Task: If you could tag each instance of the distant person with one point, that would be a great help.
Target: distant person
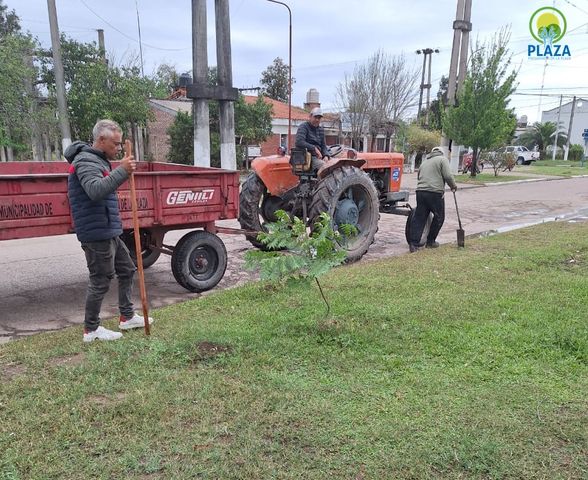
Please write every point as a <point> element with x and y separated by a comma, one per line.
<point>92,186</point>
<point>434,173</point>
<point>311,137</point>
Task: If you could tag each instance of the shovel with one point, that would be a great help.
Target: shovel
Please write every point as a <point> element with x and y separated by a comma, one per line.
<point>460,231</point>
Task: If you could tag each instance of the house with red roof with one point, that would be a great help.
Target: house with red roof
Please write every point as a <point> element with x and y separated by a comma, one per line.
<point>336,128</point>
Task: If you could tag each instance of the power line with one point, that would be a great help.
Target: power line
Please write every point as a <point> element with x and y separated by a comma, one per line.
<point>129,37</point>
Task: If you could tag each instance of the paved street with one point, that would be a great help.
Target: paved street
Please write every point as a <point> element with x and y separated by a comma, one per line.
<point>43,283</point>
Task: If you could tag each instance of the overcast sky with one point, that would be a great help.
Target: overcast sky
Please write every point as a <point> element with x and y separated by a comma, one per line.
<point>330,37</point>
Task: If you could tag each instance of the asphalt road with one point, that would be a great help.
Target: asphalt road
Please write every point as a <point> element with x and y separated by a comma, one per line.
<point>43,280</point>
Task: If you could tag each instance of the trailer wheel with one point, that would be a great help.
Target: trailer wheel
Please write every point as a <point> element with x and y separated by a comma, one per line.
<point>199,261</point>
<point>348,196</point>
<point>257,206</point>
<point>408,227</point>
<point>147,237</point>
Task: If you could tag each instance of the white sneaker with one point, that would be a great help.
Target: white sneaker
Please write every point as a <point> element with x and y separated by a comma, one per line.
<point>137,321</point>
<point>101,333</point>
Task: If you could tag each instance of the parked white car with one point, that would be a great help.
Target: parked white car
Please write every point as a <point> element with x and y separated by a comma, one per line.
<point>523,156</point>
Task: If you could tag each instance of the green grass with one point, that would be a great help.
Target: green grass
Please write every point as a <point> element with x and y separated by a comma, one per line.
<point>448,363</point>
<point>488,177</point>
<point>557,167</point>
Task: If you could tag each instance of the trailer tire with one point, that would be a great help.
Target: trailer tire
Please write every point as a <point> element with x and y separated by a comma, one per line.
<point>199,261</point>
<point>148,237</point>
<point>348,195</point>
<point>256,206</point>
<point>408,227</point>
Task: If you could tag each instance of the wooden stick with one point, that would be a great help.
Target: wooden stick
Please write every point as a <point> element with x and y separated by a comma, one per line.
<point>138,249</point>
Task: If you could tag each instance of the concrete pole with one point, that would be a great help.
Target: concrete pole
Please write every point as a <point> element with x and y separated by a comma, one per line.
<point>59,76</point>
<point>556,129</point>
<point>101,45</point>
<point>200,67</point>
<point>225,79</point>
<point>464,47</point>
<point>455,51</point>
<point>422,83</point>
<point>570,129</point>
<point>430,53</point>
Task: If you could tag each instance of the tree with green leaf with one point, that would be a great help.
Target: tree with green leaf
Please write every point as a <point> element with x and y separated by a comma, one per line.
<point>274,80</point>
<point>481,118</point>
<point>253,124</point>
<point>166,79</point>
<point>295,254</point>
<point>181,139</point>
<point>436,107</point>
<point>542,135</point>
<point>9,21</point>
<point>17,74</point>
<point>95,89</point>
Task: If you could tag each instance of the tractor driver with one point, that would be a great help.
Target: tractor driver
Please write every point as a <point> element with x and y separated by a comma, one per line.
<point>311,137</point>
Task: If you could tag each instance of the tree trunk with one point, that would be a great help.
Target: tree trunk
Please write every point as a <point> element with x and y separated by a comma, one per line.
<point>474,167</point>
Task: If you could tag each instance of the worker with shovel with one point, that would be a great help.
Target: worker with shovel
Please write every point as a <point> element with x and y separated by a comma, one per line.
<point>433,174</point>
<point>92,186</point>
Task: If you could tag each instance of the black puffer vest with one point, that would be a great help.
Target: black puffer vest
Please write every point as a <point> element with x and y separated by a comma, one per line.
<point>94,220</point>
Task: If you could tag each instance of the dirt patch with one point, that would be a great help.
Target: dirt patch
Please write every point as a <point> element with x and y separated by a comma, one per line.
<point>107,400</point>
<point>209,350</point>
<point>68,360</point>
<point>10,371</point>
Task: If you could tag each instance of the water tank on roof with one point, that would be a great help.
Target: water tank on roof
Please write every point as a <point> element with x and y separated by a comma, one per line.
<point>312,96</point>
<point>185,80</point>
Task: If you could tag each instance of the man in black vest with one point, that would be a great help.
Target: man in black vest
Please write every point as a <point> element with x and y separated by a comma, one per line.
<point>92,186</point>
<point>311,137</point>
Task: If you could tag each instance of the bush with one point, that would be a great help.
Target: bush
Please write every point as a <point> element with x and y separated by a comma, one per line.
<point>576,152</point>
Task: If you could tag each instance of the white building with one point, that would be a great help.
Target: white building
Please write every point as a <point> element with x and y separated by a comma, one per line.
<point>579,123</point>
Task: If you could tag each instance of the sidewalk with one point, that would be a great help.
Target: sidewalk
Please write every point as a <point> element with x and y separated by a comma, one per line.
<point>409,180</point>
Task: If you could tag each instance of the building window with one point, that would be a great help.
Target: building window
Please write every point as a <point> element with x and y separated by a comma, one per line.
<point>283,139</point>
<point>380,144</point>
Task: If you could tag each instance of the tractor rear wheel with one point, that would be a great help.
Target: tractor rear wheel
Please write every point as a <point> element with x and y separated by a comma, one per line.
<point>256,207</point>
<point>349,197</point>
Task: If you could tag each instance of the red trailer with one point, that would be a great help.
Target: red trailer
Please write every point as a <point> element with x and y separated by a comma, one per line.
<point>34,203</point>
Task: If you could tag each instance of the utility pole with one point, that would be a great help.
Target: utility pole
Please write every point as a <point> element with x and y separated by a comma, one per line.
<point>427,55</point>
<point>101,45</point>
<point>225,79</point>
<point>200,68</point>
<point>556,129</point>
<point>59,76</point>
<point>570,129</point>
<point>140,40</point>
<point>462,25</point>
<point>201,92</point>
<point>422,83</point>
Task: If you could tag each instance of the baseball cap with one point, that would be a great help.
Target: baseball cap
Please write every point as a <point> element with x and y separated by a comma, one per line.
<point>316,112</point>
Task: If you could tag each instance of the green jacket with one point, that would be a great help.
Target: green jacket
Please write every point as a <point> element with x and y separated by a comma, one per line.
<point>434,173</point>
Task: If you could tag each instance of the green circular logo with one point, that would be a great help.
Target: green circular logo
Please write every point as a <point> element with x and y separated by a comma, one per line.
<point>548,25</point>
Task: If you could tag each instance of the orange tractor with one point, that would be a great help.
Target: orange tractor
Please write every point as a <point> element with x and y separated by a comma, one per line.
<point>353,188</point>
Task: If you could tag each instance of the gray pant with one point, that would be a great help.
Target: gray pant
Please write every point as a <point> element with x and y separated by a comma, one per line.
<point>316,163</point>
<point>105,259</point>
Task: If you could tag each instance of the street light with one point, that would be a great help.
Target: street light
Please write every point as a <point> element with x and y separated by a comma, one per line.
<point>289,72</point>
